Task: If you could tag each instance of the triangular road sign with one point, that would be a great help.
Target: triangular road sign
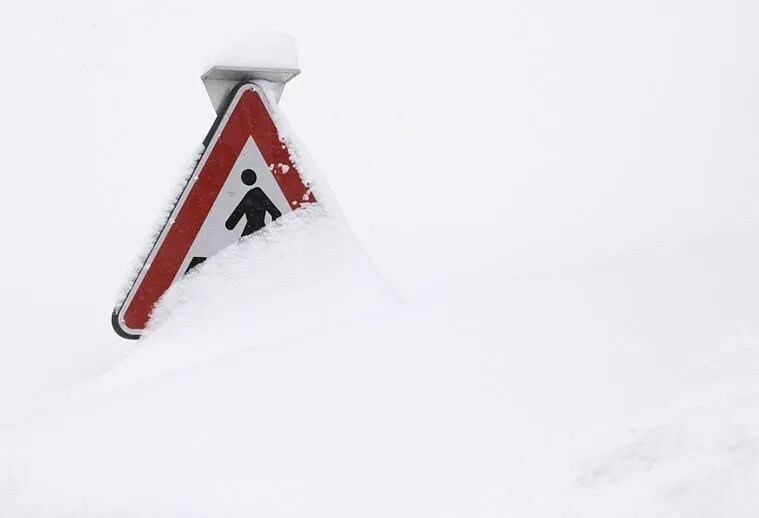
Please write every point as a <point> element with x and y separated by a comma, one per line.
<point>244,180</point>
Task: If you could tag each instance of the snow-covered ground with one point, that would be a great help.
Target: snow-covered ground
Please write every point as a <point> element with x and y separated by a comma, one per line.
<point>559,199</point>
<point>622,387</point>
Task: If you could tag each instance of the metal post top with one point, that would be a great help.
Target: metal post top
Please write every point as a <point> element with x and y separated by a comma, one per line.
<point>220,80</point>
<point>229,73</point>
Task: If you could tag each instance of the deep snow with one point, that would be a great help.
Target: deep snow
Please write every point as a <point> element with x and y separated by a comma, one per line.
<point>623,387</point>
<point>562,195</point>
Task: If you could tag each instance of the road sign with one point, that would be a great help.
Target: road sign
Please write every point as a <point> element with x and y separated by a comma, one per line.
<point>244,180</point>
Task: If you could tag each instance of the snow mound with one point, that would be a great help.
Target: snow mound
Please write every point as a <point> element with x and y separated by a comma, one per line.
<point>300,275</point>
<point>473,405</point>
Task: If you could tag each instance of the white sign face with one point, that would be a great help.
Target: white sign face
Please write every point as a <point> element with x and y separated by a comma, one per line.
<point>214,234</point>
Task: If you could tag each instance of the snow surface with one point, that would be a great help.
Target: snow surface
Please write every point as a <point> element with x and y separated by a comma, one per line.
<point>563,195</point>
<point>556,395</point>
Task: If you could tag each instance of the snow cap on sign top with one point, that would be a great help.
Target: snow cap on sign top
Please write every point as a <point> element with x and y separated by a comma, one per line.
<point>257,49</point>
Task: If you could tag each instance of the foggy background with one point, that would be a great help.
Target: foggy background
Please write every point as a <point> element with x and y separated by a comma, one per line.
<point>466,142</point>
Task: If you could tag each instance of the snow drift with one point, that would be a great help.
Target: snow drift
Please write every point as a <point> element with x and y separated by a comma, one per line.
<point>495,400</point>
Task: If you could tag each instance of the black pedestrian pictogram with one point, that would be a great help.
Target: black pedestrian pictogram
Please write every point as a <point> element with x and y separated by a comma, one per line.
<point>254,206</point>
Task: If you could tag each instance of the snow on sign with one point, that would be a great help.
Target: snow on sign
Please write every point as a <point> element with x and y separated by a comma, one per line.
<point>244,180</point>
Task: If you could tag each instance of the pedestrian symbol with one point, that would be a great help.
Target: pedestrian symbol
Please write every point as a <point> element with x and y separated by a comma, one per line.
<point>254,206</point>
